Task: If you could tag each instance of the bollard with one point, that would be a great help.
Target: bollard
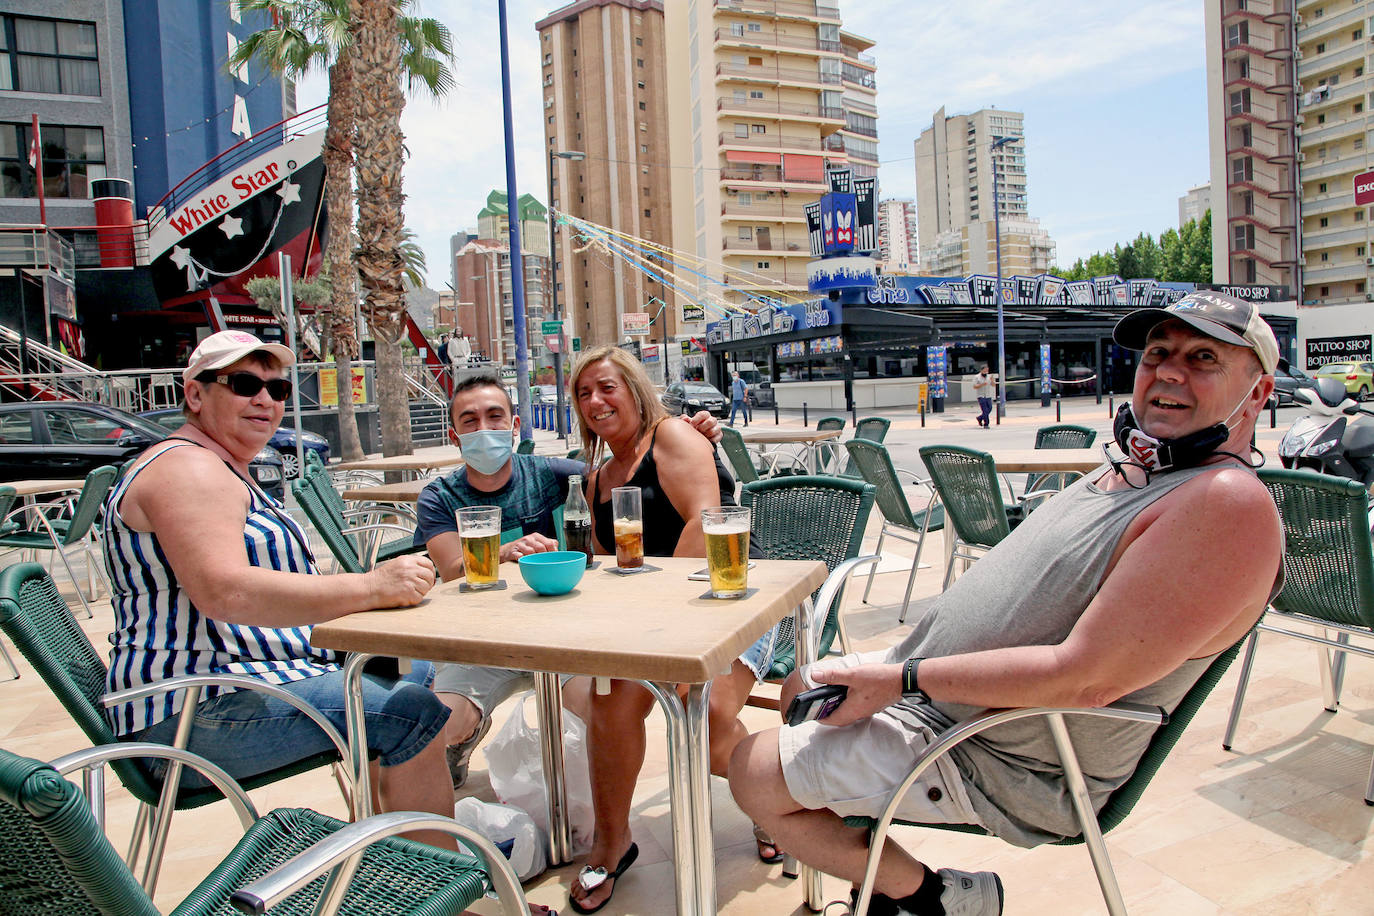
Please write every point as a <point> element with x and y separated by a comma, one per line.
<point>922,407</point>
<point>854,415</point>
<point>1058,408</point>
<point>1111,411</point>
<point>1273,414</point>
<point>805,421</point>
<point>775,411</point>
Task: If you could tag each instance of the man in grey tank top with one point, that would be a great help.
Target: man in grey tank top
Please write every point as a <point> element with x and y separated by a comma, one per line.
<point>1125,586</point>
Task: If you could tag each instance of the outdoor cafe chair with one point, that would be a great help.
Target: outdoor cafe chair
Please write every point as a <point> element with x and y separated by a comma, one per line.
<point>55,858</point>
<point>1169,728</point>
<point>526,447</point>
<point>1059,435</point>
<point>809,518</point>
<point>742,460</point>
<point>828,452</point>
<point>34,616</point>
<point>312,494</point>
<point>899,521</point>
<point>64,536</point>
<point>872,429</point>
<point>966,481</point>
<point>1328,587</point>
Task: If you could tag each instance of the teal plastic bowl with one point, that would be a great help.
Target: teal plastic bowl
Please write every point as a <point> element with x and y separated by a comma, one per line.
<point>553,573</point>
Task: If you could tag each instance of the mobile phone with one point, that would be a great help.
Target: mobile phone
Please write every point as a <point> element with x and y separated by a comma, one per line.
<point>815,704</point>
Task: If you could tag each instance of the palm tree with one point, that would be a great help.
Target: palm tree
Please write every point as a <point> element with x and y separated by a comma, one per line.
<point>307,34</point>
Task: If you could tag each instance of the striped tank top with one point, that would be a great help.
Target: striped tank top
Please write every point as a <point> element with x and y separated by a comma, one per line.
<point>160,634</point>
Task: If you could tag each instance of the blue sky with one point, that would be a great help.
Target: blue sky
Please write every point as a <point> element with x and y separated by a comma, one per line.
<point>1113,95</point>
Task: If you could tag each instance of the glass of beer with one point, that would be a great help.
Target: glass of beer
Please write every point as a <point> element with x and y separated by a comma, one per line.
<point>480,529</point>
<point>627,510</point>
<point>727,549</point>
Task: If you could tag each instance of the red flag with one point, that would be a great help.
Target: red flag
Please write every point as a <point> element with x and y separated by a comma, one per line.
<point>35,149</point>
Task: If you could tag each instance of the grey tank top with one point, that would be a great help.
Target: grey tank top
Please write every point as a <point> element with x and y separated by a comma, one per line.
<point>1031,591</point>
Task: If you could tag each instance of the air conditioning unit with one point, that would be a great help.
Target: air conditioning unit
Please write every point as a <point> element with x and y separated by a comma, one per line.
<point>1297,54</point>
<point>1297,19</point>
<point>1302,260</point>
<point>1369,262</point>
<point>1302,157</point>
<point>1369,297</point>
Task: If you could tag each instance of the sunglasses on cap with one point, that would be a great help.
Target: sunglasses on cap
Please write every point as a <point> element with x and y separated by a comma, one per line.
<point>247,385</point>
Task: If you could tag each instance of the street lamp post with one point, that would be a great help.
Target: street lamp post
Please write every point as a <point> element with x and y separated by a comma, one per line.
<point>998,143</point>
<point>560,422</point>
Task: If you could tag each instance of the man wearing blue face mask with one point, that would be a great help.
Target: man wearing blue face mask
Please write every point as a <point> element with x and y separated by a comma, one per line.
<point>527,488</point>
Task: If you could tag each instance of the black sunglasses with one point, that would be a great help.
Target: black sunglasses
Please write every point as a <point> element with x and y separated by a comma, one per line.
<point>247,385</point>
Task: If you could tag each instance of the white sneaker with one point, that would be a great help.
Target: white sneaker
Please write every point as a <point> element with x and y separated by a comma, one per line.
<point>971,893</point>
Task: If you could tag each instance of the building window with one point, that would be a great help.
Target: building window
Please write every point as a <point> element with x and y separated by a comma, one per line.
<point>761,265</point>
<point>1359,286</point>
<point>648,214</point>
<point>1321,47</point>
<point>72,157</point>
<point>1243,236</point>
<point>1321,119</point>
<point>48,55</point>
<point>643,147</point>
<point>755,27</point>
<point>741,130</point>
<point>1242,169</point>
<point>548,59</point>
<point>1240,102</point>
<point>1326,256</point>
<point>1325,291</point>
<point>1357,35</point>
<point>746,232</point>
<point>1359,70</point>
<point>1323,222</point>
<point>759,128</point>
<point>1321,188</point>
<point>640,84</point>
<point>1357,143</point>
<point>737,29</point>
<point>1359,250</point>
<point>1250,276</point>
<point>1357,107</point>
<point>755,93</point>
<point>1237,34</point>
<point>1319,12</point>
<point>639,42</point>
<point>639,62</point>
<point>643,107</point>
<point>1359,216</point>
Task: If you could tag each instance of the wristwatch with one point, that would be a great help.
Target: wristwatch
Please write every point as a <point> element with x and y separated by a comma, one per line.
<point>911,690</point>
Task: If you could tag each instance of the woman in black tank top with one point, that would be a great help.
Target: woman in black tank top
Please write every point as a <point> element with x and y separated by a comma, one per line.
<point>678,474</point>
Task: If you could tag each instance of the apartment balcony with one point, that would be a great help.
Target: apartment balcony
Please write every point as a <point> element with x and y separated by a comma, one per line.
<point>775,76</point>
<point>783,248</point>
<point>1329,24</point>
<point>769,178</point>
<point>771,212</point>
<point>1314,169</point>
<point>1312,137</point>
<point>1326,204</point>
<point>1243,49</point>
<point>1267,224</point>
<point>1335,237</point>
<point>790,279</point>
<point>794,111</point>
<point>727,38</point>
<point>809,144</point>
<point>1333,271</point>
<point>782,9</point>
<point>1313,63</point>
<point>1268,152</point>
<point>1323,100</point>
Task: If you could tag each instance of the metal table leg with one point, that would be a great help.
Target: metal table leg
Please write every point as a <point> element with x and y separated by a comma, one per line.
<point>548,693</point>
<point>689,796</point>
<point>357,733</point>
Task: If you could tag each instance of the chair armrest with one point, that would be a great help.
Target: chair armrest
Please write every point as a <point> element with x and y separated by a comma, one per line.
<point>239,681</point>
<point>342,850</point>
<point>380,508</point>
<point>829,593</point>
<point>93,757</point>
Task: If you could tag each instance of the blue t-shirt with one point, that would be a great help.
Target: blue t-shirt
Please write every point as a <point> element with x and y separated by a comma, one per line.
<point>538,485</point>
<point>737,390</point>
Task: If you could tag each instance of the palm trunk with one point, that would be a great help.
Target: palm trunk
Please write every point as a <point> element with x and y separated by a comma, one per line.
<point>338,157</point>
<point>380,153</point>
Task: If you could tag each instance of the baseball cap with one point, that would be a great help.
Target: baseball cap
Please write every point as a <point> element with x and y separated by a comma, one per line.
<point>1223,317</point>
<point>228,347</point>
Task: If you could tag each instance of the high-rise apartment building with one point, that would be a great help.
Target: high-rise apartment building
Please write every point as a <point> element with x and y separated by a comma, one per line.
<point>956,165</point>
<point>764,94</point>
<point>898,246</point>
<point>1253,113</point>
<point>605,98</point>
<point>1195,204</point>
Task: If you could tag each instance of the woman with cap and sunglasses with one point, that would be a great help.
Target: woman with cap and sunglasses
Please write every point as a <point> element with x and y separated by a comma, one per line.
<point>210,575</point>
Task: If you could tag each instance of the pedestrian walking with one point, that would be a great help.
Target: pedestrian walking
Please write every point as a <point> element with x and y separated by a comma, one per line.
<point>982,389</point>
<point>739,395</point>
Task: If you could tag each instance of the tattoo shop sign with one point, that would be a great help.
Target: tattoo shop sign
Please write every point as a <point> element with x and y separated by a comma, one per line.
<point>1324,350</point>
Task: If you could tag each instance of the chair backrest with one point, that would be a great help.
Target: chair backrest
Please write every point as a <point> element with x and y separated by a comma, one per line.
<point>874,429</point>
<point>7,498</point>
<point>737,453</point>
<point>53,856</point>
<point>1064,435</point>
<point>313,461</point>
<point>328,523</point>
<point>830,423</point>
<point>826,452</point>
<point>966,480</point>
<point>1328,562</point>
<point>526,447</point>
<point>88,504</point>
<point>874,464</point>
<point>808,518</point>
<point>319,480</point>
<point>37,620</point>
<point>575,454</point>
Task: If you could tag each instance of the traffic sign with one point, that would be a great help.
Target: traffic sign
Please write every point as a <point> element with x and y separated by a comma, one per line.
<point>551,328</point>
<point>577,344</point>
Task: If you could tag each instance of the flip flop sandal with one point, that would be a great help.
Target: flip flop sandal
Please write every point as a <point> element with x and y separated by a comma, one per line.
<point>592,878</point>
<point>762,839</point>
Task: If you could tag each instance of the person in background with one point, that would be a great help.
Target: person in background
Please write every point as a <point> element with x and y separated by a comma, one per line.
<point>739,394</point>
<point>982,389</point>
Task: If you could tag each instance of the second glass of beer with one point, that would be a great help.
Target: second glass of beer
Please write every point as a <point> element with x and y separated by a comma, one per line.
<point>727,549</point>
<point>628,512</point>
<point>480,529</point>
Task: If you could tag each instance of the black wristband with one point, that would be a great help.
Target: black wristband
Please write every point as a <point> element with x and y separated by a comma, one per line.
<point>911,688</point>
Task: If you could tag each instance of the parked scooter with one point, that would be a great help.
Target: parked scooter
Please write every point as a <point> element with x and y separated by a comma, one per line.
<point>1335,437</point>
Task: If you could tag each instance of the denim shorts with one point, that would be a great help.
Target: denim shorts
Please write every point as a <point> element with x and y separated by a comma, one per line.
<point>247,732</point>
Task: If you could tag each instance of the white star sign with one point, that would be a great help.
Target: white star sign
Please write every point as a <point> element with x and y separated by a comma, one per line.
<point>232,227</point>
<point>289,193</point>
<point>182,258</point>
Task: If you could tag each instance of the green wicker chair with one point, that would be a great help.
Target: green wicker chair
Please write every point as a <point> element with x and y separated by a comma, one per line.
<point>1328,570</point>
<point>34,616</point>
<point>873,429</point>
<point>54,857</point>
<point>526,447</point>
<point>737,453</point>
<point>62,535</point>
<point>875,464</point>
<point>323,506</point>
<point>1061,435</point>
<point>575,454</point>
<point>966,481</point>
<point>828,453</point>
<point>809,518</point>
<point>1118,805</point>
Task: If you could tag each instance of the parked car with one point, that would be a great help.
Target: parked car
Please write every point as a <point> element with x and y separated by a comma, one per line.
<point>1288,379</point>
<point>1357,377</point>
<point>689,397</point>
<point>283,440</point>
<point>56,439</point>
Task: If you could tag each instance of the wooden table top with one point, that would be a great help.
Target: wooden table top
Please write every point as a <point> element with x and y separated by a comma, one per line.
<point>425,459</point>
<point>782,434</point>
<point>34,487</point>
<point>656,626</point>
<point>1046,460</point>
<point>407,491</point>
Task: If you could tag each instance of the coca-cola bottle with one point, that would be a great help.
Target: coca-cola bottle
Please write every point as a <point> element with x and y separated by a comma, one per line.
<point>577,519</point>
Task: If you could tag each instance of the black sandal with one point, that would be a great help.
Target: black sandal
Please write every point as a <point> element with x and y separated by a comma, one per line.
<point>592,878</point>
<point>762,839</point>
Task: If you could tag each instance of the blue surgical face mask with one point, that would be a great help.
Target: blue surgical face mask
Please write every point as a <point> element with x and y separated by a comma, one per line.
<point>487,450</point>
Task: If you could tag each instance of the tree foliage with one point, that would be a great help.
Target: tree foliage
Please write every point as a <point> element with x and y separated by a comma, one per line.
<point>1182,256</point>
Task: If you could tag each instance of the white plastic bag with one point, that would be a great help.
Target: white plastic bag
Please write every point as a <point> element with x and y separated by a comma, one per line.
<point>502,824</point>
<point>516,769</point>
